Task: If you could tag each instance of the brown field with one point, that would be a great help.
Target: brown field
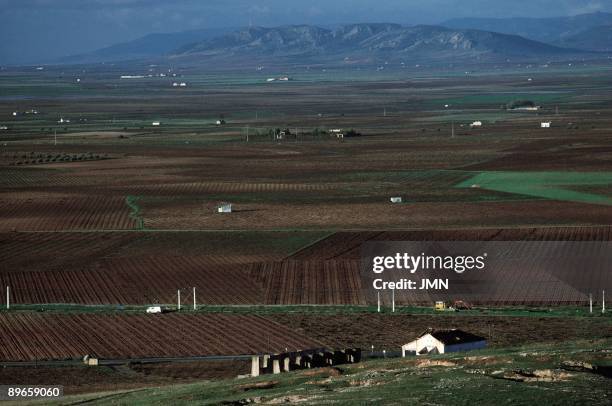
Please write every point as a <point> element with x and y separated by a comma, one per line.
<point>390,332</point>
<point>70,337</point>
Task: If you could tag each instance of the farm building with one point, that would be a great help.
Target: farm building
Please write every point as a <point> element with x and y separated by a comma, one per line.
<point>443,341</point>
<point>545,124</point>
<point>155,123</point>
<point>476,124</point>
<point>337,132</point>
<point>396,200</point>
<point>224,208</point>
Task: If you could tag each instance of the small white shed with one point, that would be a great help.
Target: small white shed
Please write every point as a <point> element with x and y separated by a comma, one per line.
<point>476,124</point>
<point>443,341</point>
<point>545,124</point>
<point>224,208</point>
<point>396,200</point>
<point>156,123</point>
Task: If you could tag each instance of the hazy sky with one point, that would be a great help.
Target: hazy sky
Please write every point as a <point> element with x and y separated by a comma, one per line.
<point>42,29</point>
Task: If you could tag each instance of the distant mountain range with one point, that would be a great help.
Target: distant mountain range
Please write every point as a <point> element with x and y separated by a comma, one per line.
<point>550,30</point>
<point>476,39</point>
<point>595,39</point>
<point>369,41</point>
<point>149,46</point>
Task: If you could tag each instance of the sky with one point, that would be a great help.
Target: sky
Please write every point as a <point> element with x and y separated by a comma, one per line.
<point>39,30</point>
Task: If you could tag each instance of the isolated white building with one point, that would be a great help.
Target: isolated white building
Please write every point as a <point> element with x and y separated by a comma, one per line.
<point>443,341</point>
<point>476,124</point>
<point>396,200</point>
<point>156,123</point>
<point>224,208</point>
<point>545,124</point>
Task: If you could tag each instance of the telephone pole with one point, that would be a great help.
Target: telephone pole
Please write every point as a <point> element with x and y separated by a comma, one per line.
<point>178,294</point>
<point>194,300</point>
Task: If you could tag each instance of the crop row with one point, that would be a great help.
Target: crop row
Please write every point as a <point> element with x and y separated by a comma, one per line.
<point>53,214</point>
<point>138,280</point>
<point>310,282</point>
<point>36,337</point>
<point>189,188</point>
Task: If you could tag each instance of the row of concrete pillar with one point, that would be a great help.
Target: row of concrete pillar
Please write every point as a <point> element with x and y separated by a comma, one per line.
<point>314,358</point>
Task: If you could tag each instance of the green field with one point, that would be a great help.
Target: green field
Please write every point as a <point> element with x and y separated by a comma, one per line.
<point>548,185</point>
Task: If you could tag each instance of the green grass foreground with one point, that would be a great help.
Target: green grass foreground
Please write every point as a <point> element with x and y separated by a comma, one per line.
<point>557,374</point>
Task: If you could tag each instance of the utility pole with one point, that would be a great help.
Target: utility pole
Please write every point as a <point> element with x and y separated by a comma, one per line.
<point>194,300</point>
<point>452,129</point>
<point>55,137</point>
<point>378,293</point>
<point>393,301</point>
<point>247,133</point>
<point>178,294</point>
<point>591,303</point>
<point>8,298</point>
<point>603,301</point>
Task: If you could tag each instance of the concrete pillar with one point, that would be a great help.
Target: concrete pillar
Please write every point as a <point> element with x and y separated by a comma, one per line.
<point>254,366</point>
<point>298,360</point>
<point>286,362</point>
<point>276,366</point>
<point>265,360</point>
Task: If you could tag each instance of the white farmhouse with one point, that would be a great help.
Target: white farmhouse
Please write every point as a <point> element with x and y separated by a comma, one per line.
<point>545,124</point>
<point>443,341</point>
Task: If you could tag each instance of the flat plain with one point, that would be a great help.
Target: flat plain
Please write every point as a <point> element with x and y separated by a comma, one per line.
<point>106,214</point>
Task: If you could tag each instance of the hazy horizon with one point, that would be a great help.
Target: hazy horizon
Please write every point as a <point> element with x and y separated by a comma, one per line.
<point>42,30</point>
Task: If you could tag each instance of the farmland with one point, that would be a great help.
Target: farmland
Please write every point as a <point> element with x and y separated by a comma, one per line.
<point>106,215</point>
<point>58,337</point>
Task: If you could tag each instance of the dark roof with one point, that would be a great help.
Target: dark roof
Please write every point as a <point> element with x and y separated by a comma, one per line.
<point>451,337</point>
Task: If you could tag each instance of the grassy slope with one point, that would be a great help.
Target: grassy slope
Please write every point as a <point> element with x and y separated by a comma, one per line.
<point>479,377</point>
